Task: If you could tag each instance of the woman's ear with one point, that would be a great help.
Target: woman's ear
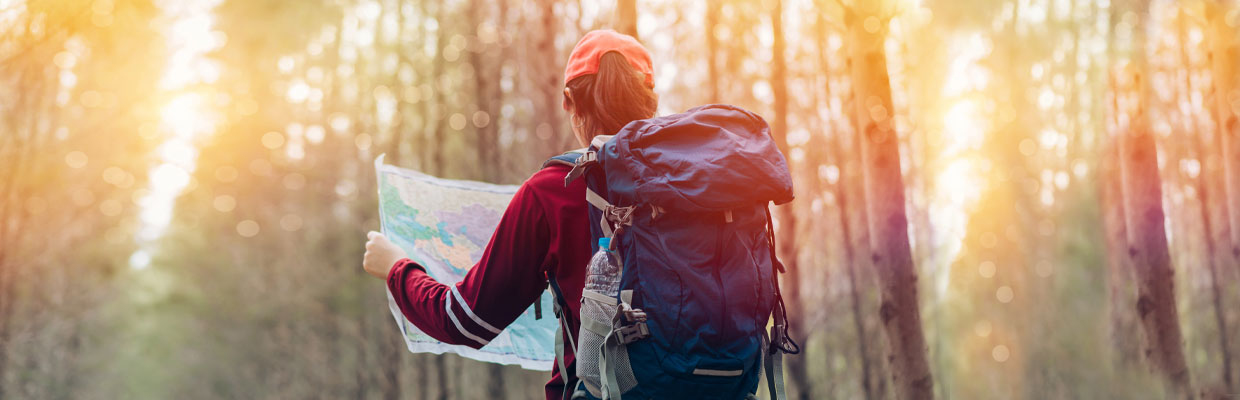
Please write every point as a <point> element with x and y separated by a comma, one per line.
<point>568,100</point>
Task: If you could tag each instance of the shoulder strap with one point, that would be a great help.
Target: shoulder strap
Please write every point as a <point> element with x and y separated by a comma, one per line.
<point>568,158</point>
<point>568,371</point>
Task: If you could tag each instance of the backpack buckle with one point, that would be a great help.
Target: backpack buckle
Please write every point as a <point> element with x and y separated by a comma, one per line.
<point>777,337</point>
<point>621,216</point>
<point>632,333</point>
<point>635,331</point>
<point>632,314</point>
<point>579,167</point>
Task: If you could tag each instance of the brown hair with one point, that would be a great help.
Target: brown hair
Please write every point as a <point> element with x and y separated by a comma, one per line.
<point>611,98</point>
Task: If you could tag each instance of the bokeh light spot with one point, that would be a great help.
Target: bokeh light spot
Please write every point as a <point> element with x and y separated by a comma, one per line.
<point>247,228</point>
<point>457,121</point>
<point>986,269</point>
<point>362,142</point>
<point>982,328</point>
<point>224,203</point>
<point>481,119</point>
<point>76,159</point>
<point>1028,147</point>
<point>1000,353</point>
<point>1004,294</point>
<point>64,60</point>
<point>872,24</point>
<point>273,140</point>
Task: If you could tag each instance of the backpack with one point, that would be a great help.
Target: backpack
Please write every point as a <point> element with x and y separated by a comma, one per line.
<point>684,199</point>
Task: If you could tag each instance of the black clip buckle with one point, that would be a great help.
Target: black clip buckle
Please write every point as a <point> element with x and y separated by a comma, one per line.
<point>777,338</point>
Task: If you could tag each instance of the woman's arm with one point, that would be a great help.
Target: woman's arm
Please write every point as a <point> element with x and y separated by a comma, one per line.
<point>509,277</point>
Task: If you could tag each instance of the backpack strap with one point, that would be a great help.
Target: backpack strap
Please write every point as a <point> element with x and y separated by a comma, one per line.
<point>561,313</point>
<point>568,158</point>
<point>777,342</point>
<point>588,156</point>
<point>773,366</point>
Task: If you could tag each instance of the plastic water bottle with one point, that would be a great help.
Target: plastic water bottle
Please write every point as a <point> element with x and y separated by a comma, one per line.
<point>603,272</point>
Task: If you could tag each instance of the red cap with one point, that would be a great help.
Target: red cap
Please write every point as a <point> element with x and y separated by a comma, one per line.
<point>585,57</point>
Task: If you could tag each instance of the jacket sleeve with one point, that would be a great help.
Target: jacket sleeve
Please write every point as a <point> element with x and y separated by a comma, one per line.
<point>509,277</point>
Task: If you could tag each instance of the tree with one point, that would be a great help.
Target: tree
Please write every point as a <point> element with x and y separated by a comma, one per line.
<point>786,213</point>
<point>884,193</point>
<point>547,80</point>
<point>1205,195</point>
<point>625,18</point>
<point>844,191</point>
<point>70,107</point>
<point>1123,325</point>
<point>1225,56</point>
<point>1148,251</point>
<point>712,50</point>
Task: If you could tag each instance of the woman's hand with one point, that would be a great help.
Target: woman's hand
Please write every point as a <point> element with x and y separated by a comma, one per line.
<point>381,255</point>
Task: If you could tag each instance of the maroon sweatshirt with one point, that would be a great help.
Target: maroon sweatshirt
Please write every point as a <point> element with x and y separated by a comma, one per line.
<point>544,233</point>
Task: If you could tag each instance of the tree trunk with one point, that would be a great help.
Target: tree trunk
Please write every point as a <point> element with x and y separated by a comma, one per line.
<point>884,193</point>
<point>439,105</point>
<point>863,339</point>
<point>19,150</point>
<point>842,191</point>
<point>487,93</point>
<point>1144,217</point>
<point>1148,251</point>
<point>1123,327</point>
<point>1204,194</point>
<point>1150,256</point>
<point>852,174</point>
<point>712,51</point>
<point>1225,55</point>
<point>395,140</point>
<point>441,366</point>
<point>786,213</point>
<point>391,346</point>
<point>548,81</point>
<point>625,18</point>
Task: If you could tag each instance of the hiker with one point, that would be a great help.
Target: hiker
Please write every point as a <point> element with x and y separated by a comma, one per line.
<point>656,241</point>
<point>545,232</point>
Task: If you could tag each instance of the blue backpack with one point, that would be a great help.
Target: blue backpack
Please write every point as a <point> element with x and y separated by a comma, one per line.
<point>684,199</point>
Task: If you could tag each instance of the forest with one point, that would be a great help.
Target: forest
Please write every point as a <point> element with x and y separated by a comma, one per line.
<point>995,199</point>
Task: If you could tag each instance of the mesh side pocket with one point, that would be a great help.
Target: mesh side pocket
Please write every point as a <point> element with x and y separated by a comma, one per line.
<point>590,343</point>
<point>624,371</point>
<point>590,346</point>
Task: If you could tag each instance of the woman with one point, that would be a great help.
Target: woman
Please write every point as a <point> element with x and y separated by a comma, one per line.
<point>545,233</point>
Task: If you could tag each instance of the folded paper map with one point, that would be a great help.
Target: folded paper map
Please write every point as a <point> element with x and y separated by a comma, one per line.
<point>445,225</point>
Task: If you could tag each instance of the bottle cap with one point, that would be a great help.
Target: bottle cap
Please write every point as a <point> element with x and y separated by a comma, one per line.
<point>604,243</point>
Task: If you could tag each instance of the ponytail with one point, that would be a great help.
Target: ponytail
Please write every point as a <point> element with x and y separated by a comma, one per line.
<point>611,98</point>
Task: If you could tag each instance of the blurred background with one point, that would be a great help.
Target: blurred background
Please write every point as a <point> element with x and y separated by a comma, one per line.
<point>185,185</point>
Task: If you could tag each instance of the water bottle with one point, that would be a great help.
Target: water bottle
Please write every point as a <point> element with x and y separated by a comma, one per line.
<point>603,272</point>
<point>602,279</point>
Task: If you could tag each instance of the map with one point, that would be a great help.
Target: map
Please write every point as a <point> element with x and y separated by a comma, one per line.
<point>445,225</point>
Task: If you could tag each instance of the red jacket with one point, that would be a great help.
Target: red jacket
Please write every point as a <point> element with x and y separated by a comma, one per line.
<point>545,232</point>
